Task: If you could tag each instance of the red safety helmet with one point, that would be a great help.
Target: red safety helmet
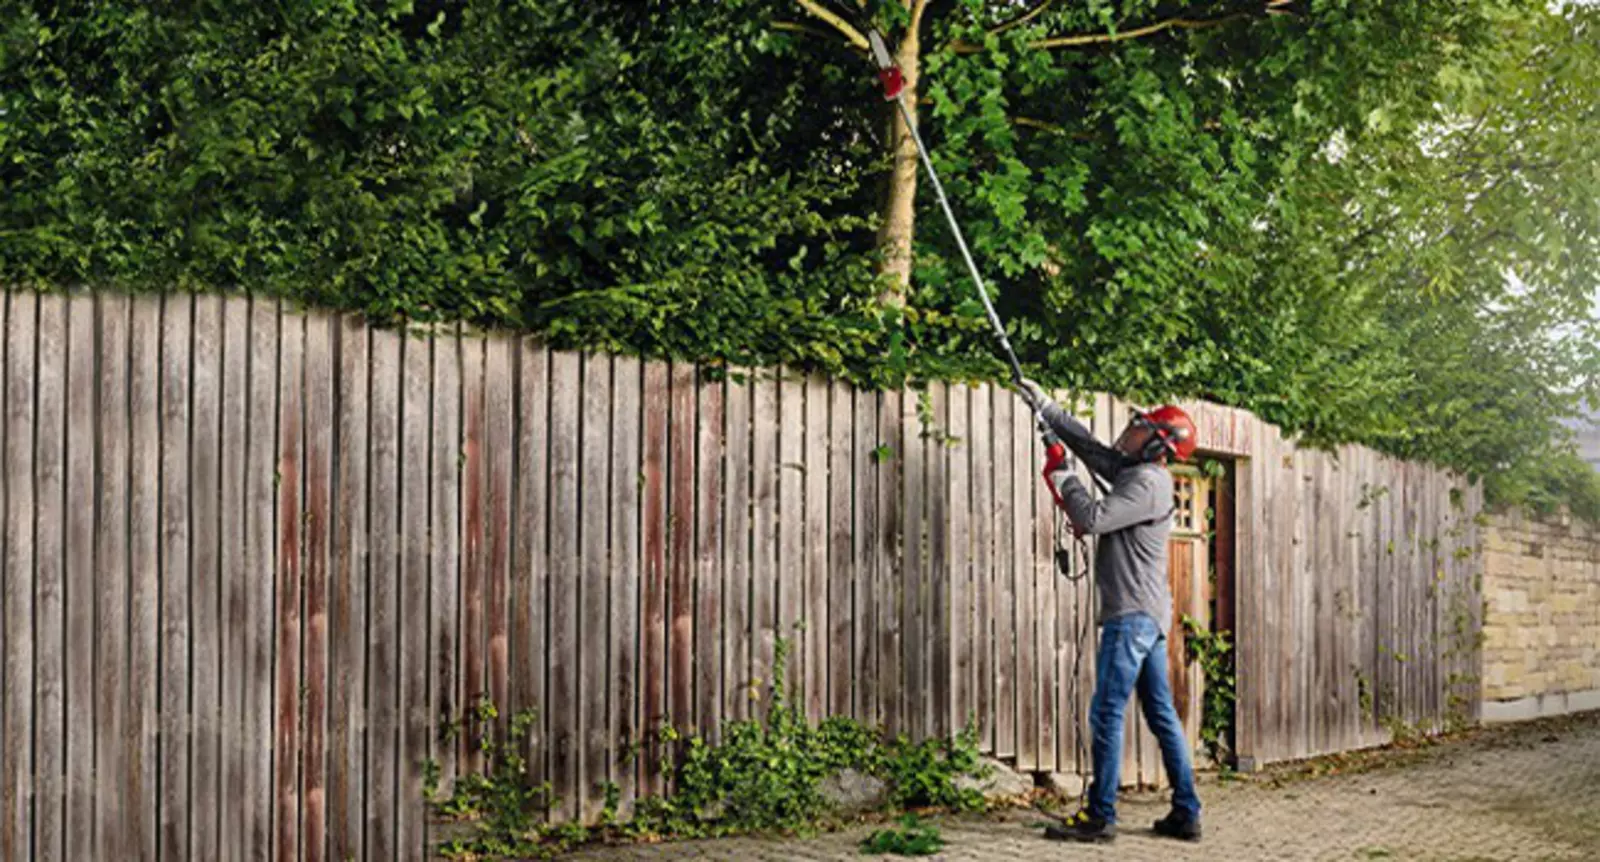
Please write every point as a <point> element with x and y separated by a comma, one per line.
<point>1174,432</point>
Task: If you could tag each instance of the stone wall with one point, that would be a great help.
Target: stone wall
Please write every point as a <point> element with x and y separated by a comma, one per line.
<point>1541,652</point>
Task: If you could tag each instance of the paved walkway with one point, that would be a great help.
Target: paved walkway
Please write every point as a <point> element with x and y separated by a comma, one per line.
<point>1525,792</point>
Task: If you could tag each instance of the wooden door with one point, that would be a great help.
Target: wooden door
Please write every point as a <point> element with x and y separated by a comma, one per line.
<point>1187,558</point>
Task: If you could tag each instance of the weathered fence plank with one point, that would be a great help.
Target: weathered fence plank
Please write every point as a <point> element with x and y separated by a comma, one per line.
<point>385,821</point>
<point>815,591</point>
<point>890,577</point>
<point>236,578</point>
<point>593,595</point>
<point>176,320</point>
<point>709,631</point>
<point>737,503</point>
<point>499,462</point>
<point>843,582</point>
<point>78,584</point>
<point>529,576</point>
<point>474,551</point>
<point>1003,605</point>
<point>112,817</point>
<point>913,538</point>
<point>319,391</point>
<point>144,534</point>
<point>286,712</point>
<point>681,552</point>
<point>764,468</point>
<point>864,464</point>
<point>938,582</point>
<point>653,591</point>
<point>261,562</point>
<point>347,601</point>
<point>790,573</point>
<point>205,586</point>
<point>16,756</point>
<point>565,730</point>
<point>981,429</point>
<point>626,467</point>
<point>416,359</point>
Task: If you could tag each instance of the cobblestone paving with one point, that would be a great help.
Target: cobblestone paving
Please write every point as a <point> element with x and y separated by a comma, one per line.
<point>1525,792</point>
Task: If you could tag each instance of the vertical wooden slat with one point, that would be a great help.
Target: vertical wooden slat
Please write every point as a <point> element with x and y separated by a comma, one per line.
<point>710,632</point>
<point>499,461</point>
<point>815,520</point>
<point>16,741</point>
<point>413,588</point>
<point>113,723</point>
<point>1003,606</point>
<point>843,582</point>
<point>957,622</point>
<point>529,652</point>
<point>205,586</point>
<point>737,502</point>
<point>175,538</point>
<point>474,551</point>
<point>261,422</point>
<point>49,621</point>
<point>286,616</point>
<point>913,476</point>
<point>144,534</point>
<point>653,597</point>
<point>764,468</point>
<point>863,463</point>
<point>1023,576</point>
<point>626,413</point>
<point>78,593</point>
<point>891,581</point>
<point>681,556</point>
<point>347,601</point>
<point>1045,582</point>
<point>384,826</point>
<point>981,446</point>
<point>593,587</point>
<point>937,595</point>
<point>17,629</point>
<point>318,506</point>
<point>562,701</point>
<point>791,527</point>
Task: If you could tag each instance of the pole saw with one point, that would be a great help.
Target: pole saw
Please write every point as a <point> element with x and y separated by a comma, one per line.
<point>893,81</point>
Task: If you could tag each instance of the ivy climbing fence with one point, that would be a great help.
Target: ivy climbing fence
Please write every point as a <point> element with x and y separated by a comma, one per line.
<point>264,571</point>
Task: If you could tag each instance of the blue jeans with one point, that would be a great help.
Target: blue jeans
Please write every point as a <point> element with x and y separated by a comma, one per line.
<point>1133,655</point>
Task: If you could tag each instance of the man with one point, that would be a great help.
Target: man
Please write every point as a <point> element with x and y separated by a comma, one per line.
<point>1135,613</point>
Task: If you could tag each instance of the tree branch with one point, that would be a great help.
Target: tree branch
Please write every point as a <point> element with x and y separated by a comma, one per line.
<point>1018,22</point>
<point>1136,33</point>
<point>836,22</point>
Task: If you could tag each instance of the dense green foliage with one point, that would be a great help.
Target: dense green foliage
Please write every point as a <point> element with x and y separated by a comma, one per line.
<point>1311,214</point>
<point>760,776</point>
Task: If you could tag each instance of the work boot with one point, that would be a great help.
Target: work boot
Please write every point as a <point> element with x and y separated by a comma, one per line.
<point>1179,825</point>
<point>1082,827</point>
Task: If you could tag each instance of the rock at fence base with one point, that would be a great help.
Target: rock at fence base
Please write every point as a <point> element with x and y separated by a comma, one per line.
<point>853,792</point>
<point>996,781</point>
<point>1064,784</point>
<point>712,812</point>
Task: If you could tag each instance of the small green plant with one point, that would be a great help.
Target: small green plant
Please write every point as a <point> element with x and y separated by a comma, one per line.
<point>912,838</point>
<point>1214,653</point>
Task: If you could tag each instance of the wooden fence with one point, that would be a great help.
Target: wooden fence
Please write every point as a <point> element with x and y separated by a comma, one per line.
<point>259,564</point>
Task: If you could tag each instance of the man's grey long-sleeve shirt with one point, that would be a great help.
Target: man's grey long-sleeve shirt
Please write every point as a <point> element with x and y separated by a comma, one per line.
<point>1132,522</point>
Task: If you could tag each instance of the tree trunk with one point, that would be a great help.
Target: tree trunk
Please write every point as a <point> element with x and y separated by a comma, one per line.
<point>899,205</point>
